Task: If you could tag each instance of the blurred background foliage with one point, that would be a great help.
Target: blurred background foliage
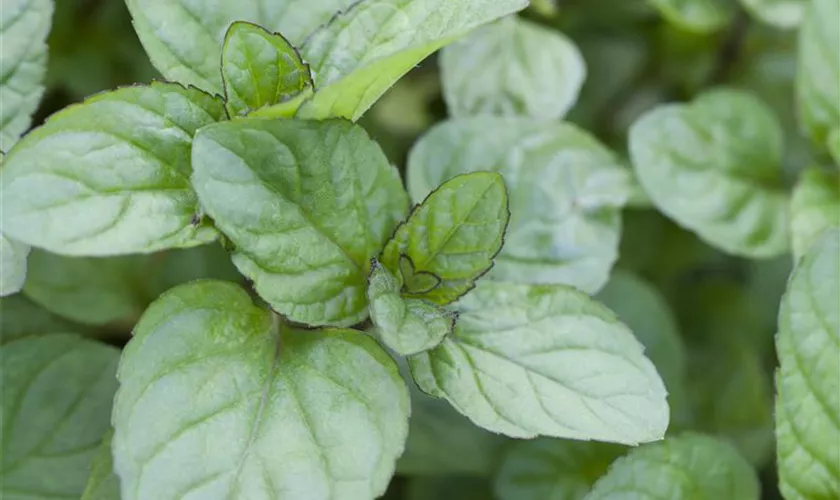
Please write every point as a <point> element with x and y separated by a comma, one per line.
<point>723,308</point>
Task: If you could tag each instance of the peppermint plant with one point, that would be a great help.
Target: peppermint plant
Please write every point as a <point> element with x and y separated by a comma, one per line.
<point>306,261</point>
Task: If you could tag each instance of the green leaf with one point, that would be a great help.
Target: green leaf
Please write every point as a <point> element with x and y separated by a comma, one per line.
<point>93,291</point>
<point>818,71</point>
<point>110,176</point>
<point>512,67</point>
<point>306,204</point>
<point>299,414</point>
<point>780,13</point>
<point>545,360</point>
<point>701,16</point>
<point>808,402</point>
<point>453,234</point>
<point>365,49</point>
<point>57,392</point>
<point>714,167</point>
<point>814,206</point>
<point>102,483</point>
<point>407,326</point>
<point>566,191</point>
<point>23,50</point>
<point>688,466</point>
<point>556,469</point>
<point>20,317</point>
<point>184,37</point>
<point>12,265</point>
<point>260,69</point>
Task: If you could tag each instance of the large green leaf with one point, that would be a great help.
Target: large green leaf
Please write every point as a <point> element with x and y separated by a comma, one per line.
<point>102,483</point>
<point>364,50</point>
<point>260,69</point>
<point>13,257</point>
<point>289,414</point>
<point>815,206</point>
<point>453,235</point>
<point>545,360</point>
<point>818,71</point>
<point>686,467</point>
<point>565,189</point>
<point>701,16</point>
<point>110,176</point>
<point>21,317</point>
<point>512,67</point>
<point>23,63</point>
<point>306,204</point>
<point>808,402</point>
<point>553,469</point>
<point>780,13</point>
<point>57,393</point>
<point>714,167</point>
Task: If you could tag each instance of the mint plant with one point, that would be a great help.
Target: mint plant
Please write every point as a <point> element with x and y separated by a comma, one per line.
<point>587,251</point>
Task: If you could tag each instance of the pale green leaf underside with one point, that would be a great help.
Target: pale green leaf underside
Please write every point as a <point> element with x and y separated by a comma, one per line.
<point>545,360</point>
<point>13,257</point>
<point>110,176</point>
<point>814,207</point>
<point>363,51</point>
<point>808,380</point>
<point>102,483</point>
<point>702,16</point>
<point>818,71</point>
<point>93,291</point>
<point>184,37</point>
<point>23,63</point>
<point>566,191</point>
<point>57,393</point>
<point>299,415</point>
<point>407,326</point>
<point>260,69</point>
<point>780,13</point>
<point>307,205</point>
<point>552,469</point>
<point>512,67</point>
<point>686,467</point>
<point>453,234</point>
<point>714,167</point>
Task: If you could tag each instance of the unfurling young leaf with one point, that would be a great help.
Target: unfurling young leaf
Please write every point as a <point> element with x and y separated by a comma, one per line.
<point>261,69</point>
<point>685,467</point>
<point>528,360</point>
<point>814,206</point>
<point>110,176</point>
<point>299,414</point>
<point>818,71</point>
<point>57,394</point>
<point>512,67</point>
<point>452,235</point>
<point>306,204</point>
<point>406,325</point>
<point>566,192</point>
<point>714,166</point>
<point>808,380</point>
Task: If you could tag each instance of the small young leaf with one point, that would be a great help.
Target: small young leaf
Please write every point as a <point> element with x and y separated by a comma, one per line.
<point>556,469</point>
<point>688,466</point>
<point>817,81</point>
<point>545,360</point>
<point>453,234</point>
<point>701,16</point>
<point>512,67</point>
<point>407,326</point>
<point>23,52</point>
<point>298,414</point>
<point>307,205</point>
<point>12,265</point>
<point>814,207</point>
<point>57,392</point>
<point>93,291</point>
<point>21,317</point>
<point>260,69</point>
<point>110,176</point>
<point>808,401</point>
<point>102,483</point>
<point>779,13</point>
<point>714,167</point>
<point>566,191</point>
<point>364,50</point>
